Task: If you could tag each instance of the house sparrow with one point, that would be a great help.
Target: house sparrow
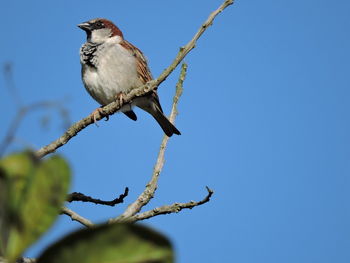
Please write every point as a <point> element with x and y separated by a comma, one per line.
<point>111,67</point>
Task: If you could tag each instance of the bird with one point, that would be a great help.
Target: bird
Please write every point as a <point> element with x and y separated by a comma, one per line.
<point>112,66</point>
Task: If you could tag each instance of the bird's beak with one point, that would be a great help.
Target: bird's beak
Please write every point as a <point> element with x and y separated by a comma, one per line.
<point>85,26</point>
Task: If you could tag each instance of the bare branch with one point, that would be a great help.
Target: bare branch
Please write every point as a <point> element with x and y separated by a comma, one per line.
<point>74,197</point>
<point>151,85</point>
<point>168,209</point>
<point>10,84</point>
<point>22,112</point>
<point>76,217</point>
<point>191,45</point>
<point>151,187</point>
<point>11,131</point>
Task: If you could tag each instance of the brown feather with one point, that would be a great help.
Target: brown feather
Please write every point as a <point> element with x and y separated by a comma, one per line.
<point>143,71</point>
<point>152,105</point>
<point>115,30</point>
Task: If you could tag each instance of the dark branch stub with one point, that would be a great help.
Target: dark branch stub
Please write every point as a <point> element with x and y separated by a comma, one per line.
<point>207,198</point>
<point>79,197</point>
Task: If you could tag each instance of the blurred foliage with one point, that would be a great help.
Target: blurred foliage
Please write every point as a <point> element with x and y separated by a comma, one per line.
<point>111,243</point>
<point>32,193</point>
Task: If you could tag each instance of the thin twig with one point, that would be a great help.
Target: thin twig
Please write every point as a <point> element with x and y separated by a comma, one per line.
<point>151,85</point>
<point>191,45</point>
<point>151,187</point>
<point>168,209</point>
<point>76,217</point>
<point>22,110</point>
<point>11,131</point>
<point>21,113</point>
<point>10,84</point>
<point>79,197</point>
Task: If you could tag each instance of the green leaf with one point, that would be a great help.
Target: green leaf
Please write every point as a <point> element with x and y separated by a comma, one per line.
<point>111,243</point>
<point>32,193</point>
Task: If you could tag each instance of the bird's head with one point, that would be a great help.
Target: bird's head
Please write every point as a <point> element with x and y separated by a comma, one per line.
<point>99,30</point>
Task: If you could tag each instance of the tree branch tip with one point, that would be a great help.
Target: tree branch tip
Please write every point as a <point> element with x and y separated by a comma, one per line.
<point>210,191</point>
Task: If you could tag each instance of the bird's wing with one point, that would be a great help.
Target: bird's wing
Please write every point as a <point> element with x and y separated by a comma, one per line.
<point>143,71</point>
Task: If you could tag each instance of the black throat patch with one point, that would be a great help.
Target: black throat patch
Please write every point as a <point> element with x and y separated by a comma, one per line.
<point>88,54</point>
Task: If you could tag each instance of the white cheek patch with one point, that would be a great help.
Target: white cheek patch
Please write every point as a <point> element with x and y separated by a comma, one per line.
<point>100,35</point>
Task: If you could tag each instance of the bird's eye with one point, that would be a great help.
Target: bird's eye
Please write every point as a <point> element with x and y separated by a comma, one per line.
<point>99,24</point>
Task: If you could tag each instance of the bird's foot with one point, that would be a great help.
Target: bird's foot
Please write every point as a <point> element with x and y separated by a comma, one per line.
<point>120,97</point>
<point>94,114</point>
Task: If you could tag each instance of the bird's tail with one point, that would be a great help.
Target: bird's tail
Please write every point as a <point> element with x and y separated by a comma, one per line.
<point>151,104</point>
<point>168,128</point>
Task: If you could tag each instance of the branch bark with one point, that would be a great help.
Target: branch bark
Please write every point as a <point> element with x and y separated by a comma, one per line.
<point>169,209</point>
<point>75,217</point>
<point>151,85</point>
<point>79,197</point>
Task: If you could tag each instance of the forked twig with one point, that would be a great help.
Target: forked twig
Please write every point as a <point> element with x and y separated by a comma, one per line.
<point>168,209</point>
<point>151,187</point>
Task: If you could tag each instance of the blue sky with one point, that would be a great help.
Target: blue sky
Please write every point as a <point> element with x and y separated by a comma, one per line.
<point>264,120</point>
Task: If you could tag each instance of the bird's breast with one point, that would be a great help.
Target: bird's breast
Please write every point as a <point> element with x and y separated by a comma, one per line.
<point>110,71</point>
